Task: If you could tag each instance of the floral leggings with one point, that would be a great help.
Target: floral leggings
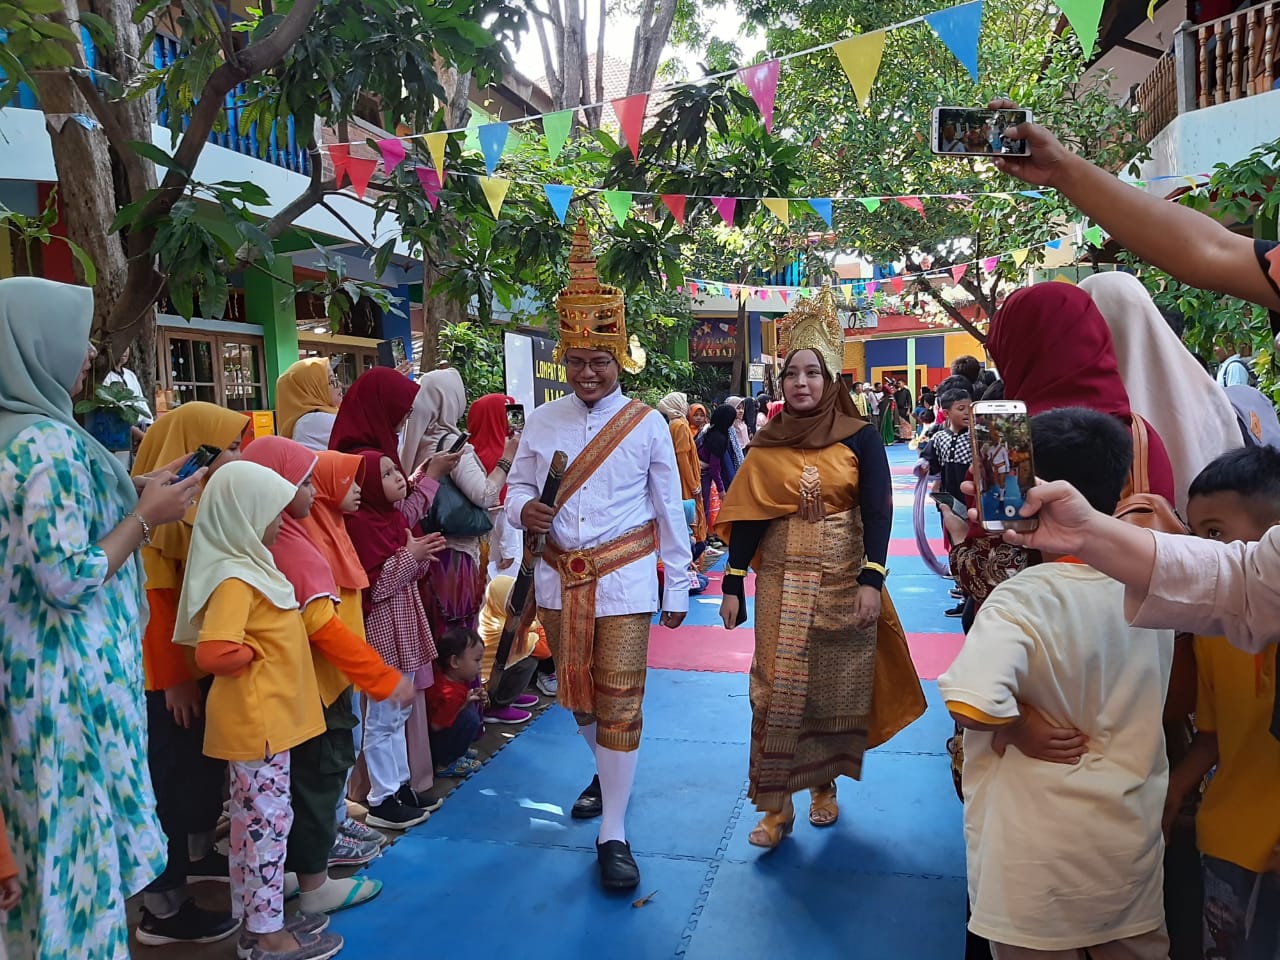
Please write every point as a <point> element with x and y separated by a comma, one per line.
<point>260,819</point>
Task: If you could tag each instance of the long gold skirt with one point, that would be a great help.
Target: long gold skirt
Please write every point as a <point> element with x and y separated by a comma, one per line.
<point>822,690</point>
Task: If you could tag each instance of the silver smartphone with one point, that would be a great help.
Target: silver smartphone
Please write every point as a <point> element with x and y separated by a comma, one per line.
<point>1003,464</point>
<point>977,131</point>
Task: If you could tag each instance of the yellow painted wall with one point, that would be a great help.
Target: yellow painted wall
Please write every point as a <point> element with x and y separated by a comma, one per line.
<point>955,345</point>
<point>6,253</point>
<point>855,357</point>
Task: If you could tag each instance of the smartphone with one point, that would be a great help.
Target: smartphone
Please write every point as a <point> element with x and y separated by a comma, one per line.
<point>515,418</point>
<point>952,504</point>
<point>203,456</point>
<point>1003,465</point>
<point>391,353</point>
<point>975,131</point>
<point>460,442</point>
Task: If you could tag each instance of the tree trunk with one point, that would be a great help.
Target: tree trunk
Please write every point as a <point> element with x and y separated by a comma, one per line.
<point>656,17</point>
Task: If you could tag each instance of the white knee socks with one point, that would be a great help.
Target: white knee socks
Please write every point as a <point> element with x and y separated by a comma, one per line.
<point>617,774</point>
<point>589,734</point>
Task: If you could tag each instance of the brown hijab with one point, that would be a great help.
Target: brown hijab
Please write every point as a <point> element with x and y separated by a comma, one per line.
<point>834,420</point>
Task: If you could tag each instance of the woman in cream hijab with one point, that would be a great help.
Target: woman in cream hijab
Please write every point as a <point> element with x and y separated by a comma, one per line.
<point>1165,384</point>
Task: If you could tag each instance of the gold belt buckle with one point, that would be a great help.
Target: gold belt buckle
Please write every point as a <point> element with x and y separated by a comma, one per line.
<point>578,566</point>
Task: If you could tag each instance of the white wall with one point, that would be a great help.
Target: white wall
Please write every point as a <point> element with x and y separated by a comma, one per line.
<point>1224,133</point>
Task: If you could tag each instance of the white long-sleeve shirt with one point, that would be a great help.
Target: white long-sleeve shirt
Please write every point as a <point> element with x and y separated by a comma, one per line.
<point>637,483</point>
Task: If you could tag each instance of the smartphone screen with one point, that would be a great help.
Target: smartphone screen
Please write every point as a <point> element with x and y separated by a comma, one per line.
<point>397,351</point>
<point>950,502</point>
<point>515,417</point>
<point>1003,466</point>
<point>459,443</point>
<point>973,131</point>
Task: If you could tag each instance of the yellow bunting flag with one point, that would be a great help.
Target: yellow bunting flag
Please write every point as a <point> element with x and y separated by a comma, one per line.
<point>780,207</point>
<point>495,191</point>
<point>860,57</point>
<point>847,290</point>
<point>1063,278</point>
<point>435,146</point>
<point>1019,256</point>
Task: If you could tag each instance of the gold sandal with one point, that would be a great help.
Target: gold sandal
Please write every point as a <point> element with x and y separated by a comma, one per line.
<point>773,827</point>
<point>823,801</point>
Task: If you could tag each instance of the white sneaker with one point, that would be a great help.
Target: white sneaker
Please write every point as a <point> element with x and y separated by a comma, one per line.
<point>548,684</point>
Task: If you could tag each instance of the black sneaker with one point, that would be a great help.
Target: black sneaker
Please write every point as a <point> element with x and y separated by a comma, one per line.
<point>956,611</point>
<point>412,798</point>
<point>191,924</point>
<point>212,866</point>
<point>957,594</point>
<point>391,814</point>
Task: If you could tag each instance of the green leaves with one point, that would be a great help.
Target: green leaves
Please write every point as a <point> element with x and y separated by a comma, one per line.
<point>39,229</point>
<point>149,151</point>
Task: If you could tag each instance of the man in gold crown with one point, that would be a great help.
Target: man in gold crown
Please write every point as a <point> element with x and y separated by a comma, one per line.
<point>811,508</point>
<point>596,581</point>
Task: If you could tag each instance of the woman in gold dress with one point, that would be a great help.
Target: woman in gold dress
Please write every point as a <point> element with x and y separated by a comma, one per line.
<point>811,510</point>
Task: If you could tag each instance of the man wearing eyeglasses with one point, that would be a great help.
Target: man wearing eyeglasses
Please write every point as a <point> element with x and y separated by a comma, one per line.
<point>596,582</point>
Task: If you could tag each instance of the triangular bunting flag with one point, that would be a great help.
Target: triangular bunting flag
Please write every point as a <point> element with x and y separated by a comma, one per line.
<point>1084,17</point>
<point>780,207</point>
<point>339,153</point>
<point>958,27</point>
<point>763,294</point>
<point>732,290</point>
<point>1019,256</point>
<point>360,170</point>
<point>430,184</point>
<point>958,271</point>
<point>393,153</point>
<point>860,57</point>
<point>619,202</point>
<point>725,206</point>
<point>675,202</point>
<point>878,299</point>
<point>1094,235</point>
<point>847,290</point>
<point>783,295</point>
<point>436,143</point>
<point>693,289</point>
<point>871,203</point>
<point>1054,244</point>
<point>558,195</point>
<point>822,207</point>
<point>744,294</point>
<point>912,203</point>
<point>762,84</point>
<point>725,291</point>
<point>630,111</point>
<point>896,283</point>
<point>495,191</point>
<point>556,127</point>
<point>872,286</point>
<point>989,264</point>
<point>493,140</point>
<point>1033,194</point>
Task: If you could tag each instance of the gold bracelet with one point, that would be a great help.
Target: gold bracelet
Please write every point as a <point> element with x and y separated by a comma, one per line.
<point>878,568</point>
<point>734,572</point>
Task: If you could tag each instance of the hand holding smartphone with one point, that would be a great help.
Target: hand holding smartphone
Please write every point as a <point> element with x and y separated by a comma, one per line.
<point>460,442</point>
<point>1003,465</point>
<point>515,418</point>
<point>949,502</point>
<point>975,131</point>
<point>204,455</point>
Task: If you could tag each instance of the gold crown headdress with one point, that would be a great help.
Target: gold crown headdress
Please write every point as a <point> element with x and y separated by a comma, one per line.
<point>812,325</point>
<point>592,314</point>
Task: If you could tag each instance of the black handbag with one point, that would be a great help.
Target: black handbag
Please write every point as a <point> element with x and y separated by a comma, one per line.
<point>452,513</point>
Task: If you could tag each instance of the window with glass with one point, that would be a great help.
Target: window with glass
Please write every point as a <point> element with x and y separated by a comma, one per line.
<point>242,378</point>
<point>226,370</point>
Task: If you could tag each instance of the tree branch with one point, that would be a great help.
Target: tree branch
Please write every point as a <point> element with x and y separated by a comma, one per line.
<point>317,188</point>
<point>347,223</point>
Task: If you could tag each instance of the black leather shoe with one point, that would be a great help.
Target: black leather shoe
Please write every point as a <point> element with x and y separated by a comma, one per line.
<point>618,870</point>
<point>589,804</point>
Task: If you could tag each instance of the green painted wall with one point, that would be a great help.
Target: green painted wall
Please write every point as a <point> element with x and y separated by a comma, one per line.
<point>269,302</point>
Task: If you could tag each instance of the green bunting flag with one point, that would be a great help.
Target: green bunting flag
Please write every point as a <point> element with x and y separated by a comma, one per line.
<point>556,127</point>
<point>619,202</point>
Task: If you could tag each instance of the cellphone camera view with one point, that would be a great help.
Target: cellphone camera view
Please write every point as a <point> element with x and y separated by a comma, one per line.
<point>973,131</point>
<point>1003,452</point>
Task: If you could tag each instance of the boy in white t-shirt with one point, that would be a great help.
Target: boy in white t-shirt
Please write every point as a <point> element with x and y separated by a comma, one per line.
<point>1063,857</point>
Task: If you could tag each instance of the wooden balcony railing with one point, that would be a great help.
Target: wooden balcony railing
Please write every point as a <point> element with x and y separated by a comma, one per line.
<point>1228,59</point>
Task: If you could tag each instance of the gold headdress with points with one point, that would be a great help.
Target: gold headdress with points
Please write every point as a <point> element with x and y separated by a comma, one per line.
<point>592,314</point>
<point>813,325</point>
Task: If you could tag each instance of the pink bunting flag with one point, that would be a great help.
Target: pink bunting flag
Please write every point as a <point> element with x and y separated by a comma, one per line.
<point>958,271</point>
<point>763,294</point>
<point>360,170</point>
<point>430,184</point>
<point>339,153</point>
<point>872,286</point>
<point>783,294</point>
<point>896,283</point>
<point>693,289</point>
<point>630,111</point>
<point>989,264</point>
<point>675,202</point>
<point>762,84</point>
<point>725,206</point>
<point>912,203</point>
<point>733,291</point>
<point>393,154</point>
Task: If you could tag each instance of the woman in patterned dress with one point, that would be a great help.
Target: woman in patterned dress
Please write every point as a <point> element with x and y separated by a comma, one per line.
<point>77,797</point>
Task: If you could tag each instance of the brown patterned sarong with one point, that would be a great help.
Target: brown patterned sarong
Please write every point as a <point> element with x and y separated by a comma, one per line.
<point>580,572</point>
<point>813,673</point>
<point>618,667</point>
